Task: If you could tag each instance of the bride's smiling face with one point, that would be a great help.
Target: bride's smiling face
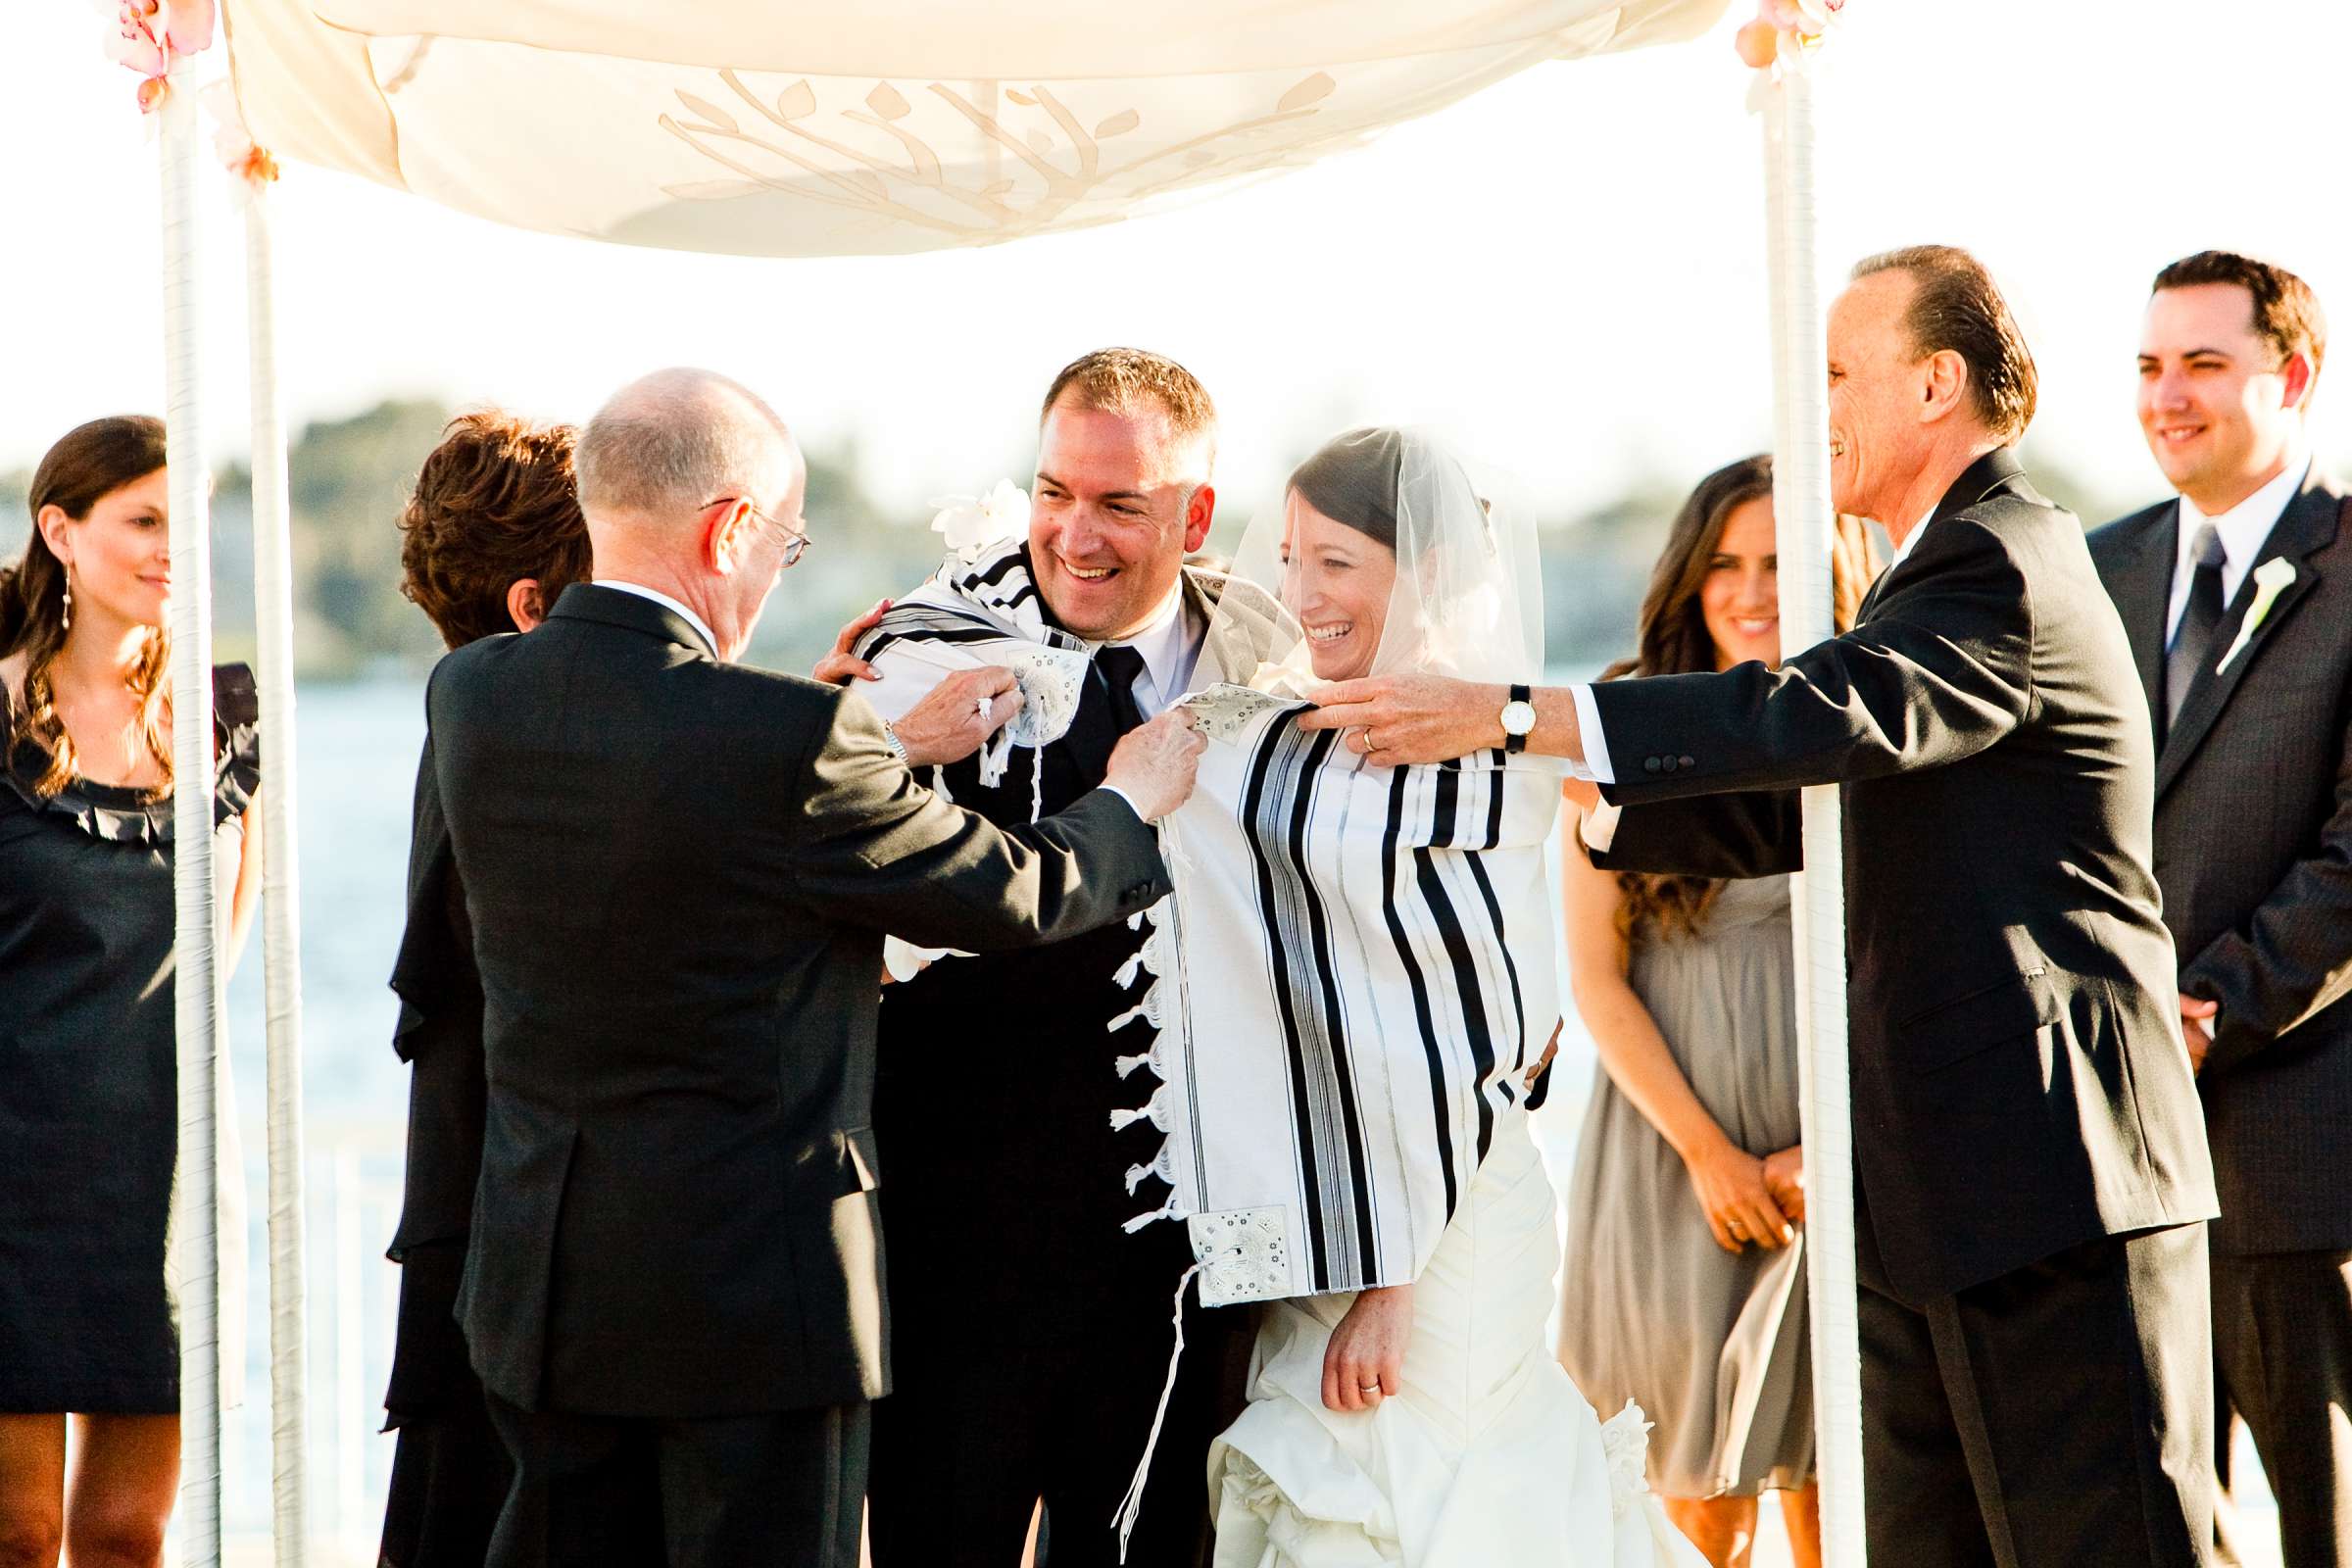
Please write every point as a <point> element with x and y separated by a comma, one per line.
<point>1337,581</point>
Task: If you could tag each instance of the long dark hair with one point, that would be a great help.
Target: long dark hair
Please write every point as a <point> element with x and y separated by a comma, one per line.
<point>1674,641</point>
<point>88,464</point>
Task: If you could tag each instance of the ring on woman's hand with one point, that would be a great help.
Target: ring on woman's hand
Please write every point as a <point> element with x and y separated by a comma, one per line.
<point>1738,1230</point>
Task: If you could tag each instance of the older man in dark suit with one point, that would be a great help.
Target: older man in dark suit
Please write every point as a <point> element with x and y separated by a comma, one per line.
<point>2238,596</point>
<point>2033,1165</point>
<point>678,871</point>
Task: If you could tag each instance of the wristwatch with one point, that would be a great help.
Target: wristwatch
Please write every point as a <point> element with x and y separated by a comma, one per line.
<point>1518,717</point>
<point>898,747</point>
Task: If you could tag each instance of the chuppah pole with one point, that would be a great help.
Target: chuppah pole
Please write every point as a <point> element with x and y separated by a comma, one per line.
<point>1806,523</point>
<point>196,1004</point>
<point>281,894</point>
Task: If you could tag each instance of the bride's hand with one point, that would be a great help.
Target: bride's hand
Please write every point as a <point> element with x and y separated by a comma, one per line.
<point>1365,1359</point>
<point>1737,1200</point>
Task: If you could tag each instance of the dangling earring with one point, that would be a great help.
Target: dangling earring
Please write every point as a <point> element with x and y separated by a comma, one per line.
<point>65,618</point>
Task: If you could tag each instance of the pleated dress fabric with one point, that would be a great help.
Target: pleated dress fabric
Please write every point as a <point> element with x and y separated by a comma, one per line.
<point>1486,1455</point>
<point>1714,1346</point>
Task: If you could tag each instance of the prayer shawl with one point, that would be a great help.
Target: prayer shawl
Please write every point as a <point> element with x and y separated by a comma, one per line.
<point>1355,966</point>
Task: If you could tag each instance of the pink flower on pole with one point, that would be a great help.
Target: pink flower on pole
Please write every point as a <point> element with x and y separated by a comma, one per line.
<point>1801,22</point>
<point>188,28</point>
<point>239,154</point>
<point>149,35</point>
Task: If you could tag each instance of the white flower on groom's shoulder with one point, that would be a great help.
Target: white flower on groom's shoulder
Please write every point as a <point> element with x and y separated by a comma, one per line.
<point>973,525</point>
<point>2270,579</point>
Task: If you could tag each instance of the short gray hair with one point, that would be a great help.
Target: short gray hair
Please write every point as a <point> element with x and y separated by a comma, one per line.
<point>673,441</point>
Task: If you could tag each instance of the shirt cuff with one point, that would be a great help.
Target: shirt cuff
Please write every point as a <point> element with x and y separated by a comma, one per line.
<point>1598,829</point>
<point>1113,789</point>
<point>1597,745</point>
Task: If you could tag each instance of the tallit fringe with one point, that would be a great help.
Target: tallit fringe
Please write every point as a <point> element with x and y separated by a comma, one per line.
<point>1155,958</point>
<point>1131,1506</point>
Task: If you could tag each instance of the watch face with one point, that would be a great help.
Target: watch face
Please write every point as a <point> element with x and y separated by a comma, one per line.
<point>1518,717</point>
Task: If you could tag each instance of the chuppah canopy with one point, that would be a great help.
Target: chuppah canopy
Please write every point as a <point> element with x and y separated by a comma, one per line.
<point>762,127</point>
<point>893,126</point>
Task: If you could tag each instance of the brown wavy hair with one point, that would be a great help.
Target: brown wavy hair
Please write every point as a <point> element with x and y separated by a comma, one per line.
<point>89,463</point>
<point>1674,641</point>
<point>496,502</point>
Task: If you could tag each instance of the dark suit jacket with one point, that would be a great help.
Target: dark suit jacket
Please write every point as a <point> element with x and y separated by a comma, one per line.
<point>678,873</point>
<point>1008,1188</point>
<point>2254,851</point>
<point>439,1035</point>
<point>2019,1081</point>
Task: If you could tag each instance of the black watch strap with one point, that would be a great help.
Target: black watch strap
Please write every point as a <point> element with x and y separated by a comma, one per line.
<point>1513,745</point>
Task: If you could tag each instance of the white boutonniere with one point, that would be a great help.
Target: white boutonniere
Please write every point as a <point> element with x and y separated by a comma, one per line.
<point>973,525</point>
<point>2269,581</point>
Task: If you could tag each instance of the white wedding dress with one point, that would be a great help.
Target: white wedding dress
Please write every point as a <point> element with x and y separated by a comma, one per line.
<point>1487,1459</point>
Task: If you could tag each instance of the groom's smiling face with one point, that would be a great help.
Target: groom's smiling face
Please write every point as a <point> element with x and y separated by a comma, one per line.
<point>1120,500</point>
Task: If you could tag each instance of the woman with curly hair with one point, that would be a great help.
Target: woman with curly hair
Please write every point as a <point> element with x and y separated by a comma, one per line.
<point>1685,1282</point>
<point>89,1118</point>
<point>490,538</point>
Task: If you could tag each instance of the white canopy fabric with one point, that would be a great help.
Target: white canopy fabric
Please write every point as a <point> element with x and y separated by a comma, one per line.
<point>795,130</point>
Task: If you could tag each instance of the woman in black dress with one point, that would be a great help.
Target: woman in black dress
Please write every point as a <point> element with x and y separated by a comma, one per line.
<point>88,1074</point>
<point>490,538</point>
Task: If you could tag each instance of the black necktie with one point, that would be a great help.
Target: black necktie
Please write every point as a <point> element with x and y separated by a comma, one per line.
<point>1106,707</point>
<point>2192,640</point>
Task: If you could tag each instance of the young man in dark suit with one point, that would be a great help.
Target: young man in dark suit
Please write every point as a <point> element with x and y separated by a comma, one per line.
<point>2032,1173</point>
<point>2238,597</point>
<point>1035,1332</point>
<point>679,871</point>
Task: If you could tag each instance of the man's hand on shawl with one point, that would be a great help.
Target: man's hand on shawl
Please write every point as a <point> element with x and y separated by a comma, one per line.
<point>958,716</point>
<point>1155,764</point>
<point>1395,719</point>
<point>841,667</point>
<point>1364,1363</point>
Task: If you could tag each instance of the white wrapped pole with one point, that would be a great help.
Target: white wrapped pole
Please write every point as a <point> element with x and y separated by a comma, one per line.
<point>196,1002</point>
<point>1806,523</point>
<point>282,905</point>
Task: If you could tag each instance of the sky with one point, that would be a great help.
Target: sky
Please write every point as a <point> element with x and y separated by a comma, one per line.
<point>1565,272</point>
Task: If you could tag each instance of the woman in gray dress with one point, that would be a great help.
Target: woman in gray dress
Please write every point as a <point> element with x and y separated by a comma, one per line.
<point>1684,1287</point>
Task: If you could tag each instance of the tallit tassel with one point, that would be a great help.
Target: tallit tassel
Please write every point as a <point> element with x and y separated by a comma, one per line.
<point>1134,1177</point>
<point>1131,1506</point>
<point>1129,970</point>
<point>1170,1209</point>
<point>1155,1110</point>
<point>1148,1010</point>
<point>939,785</point>
<point>1037,784</point>
<point>1128,1064</point>
<point>995,757</point>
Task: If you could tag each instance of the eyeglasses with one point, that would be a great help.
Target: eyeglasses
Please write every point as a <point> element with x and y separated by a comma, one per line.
<point>795,544</point>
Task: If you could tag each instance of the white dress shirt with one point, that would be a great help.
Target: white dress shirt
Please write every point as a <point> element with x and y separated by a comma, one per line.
<point>2243,530</point>
<point>701,626</point>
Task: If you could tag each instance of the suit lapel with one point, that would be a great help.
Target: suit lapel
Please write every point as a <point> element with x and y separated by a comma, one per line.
<point>2142,590</point>
<point>2307,527</point>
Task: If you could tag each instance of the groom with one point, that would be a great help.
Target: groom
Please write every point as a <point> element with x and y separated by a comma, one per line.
<point>1033,1334</point>
<point>2032,1163</point>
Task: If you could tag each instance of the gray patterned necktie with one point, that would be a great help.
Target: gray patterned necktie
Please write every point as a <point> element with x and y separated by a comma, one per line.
<point>2192,640</point>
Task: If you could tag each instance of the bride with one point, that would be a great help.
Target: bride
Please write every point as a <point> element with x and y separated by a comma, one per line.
<point>1354,987</point>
